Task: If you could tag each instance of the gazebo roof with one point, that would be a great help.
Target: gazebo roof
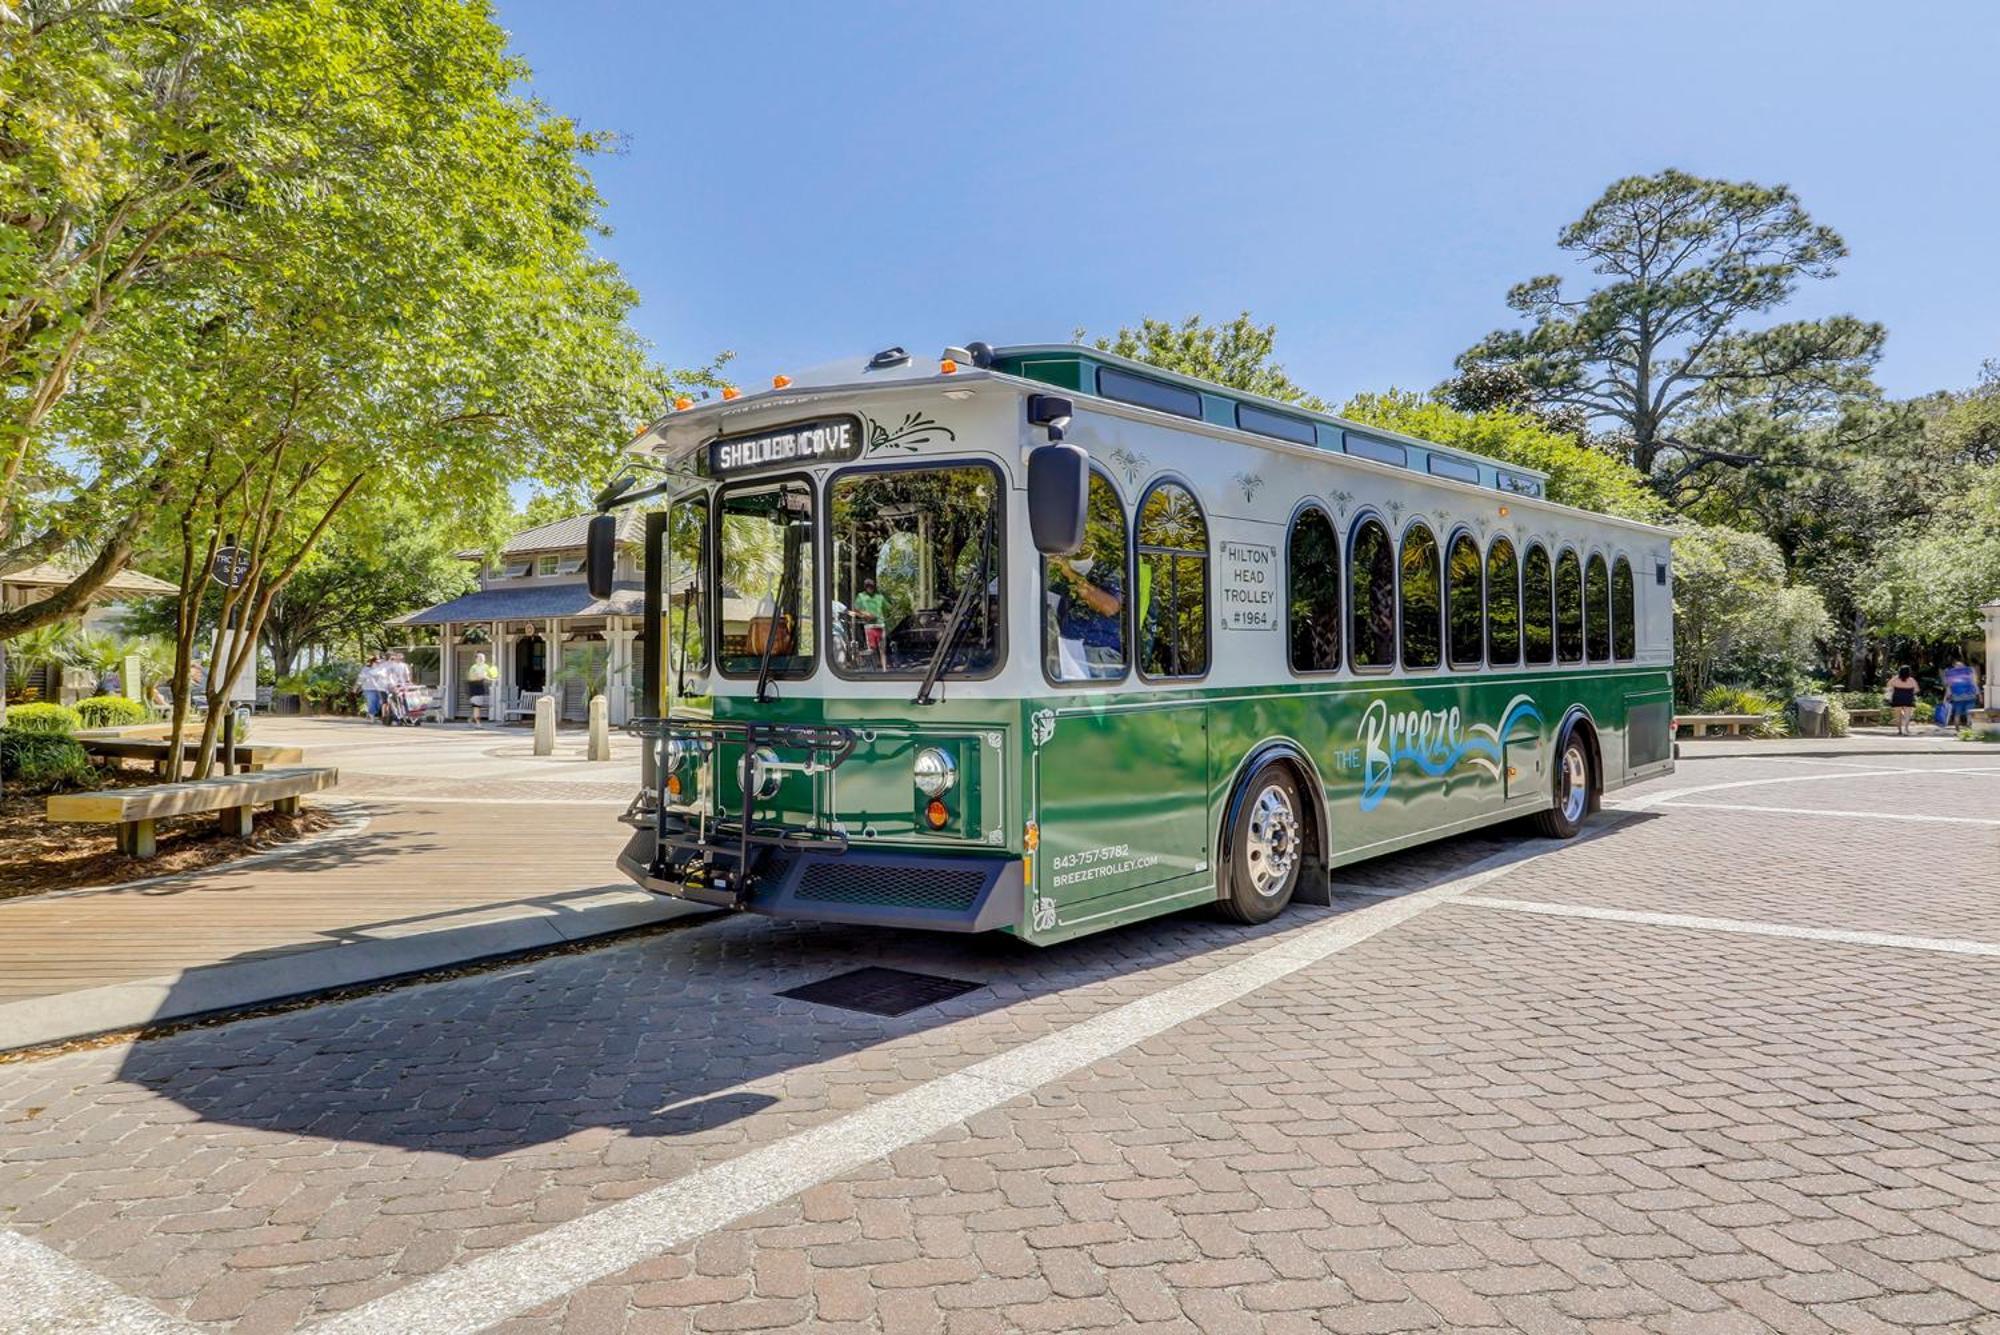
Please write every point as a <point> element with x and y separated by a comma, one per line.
<point>555,600</point>
<point>565,534</point>
<point>124,584</point>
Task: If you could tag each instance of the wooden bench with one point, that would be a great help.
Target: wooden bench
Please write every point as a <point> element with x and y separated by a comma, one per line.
<point>1733,724</point>
<point>1869,716</point>
<point>255,757</point>
<point>134,810</point>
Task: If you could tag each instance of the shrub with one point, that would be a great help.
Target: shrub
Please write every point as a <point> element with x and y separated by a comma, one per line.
<point>110,711</point>
<point>43,762</point>
<point>56,720</point>
<point>1837,721</point>
<point>1744,700</point>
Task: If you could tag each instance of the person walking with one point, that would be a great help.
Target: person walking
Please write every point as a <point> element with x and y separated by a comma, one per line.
<point>478,685</point>
<point>370,683</point>
<point>1902,697</point>
<point>1961,693</point>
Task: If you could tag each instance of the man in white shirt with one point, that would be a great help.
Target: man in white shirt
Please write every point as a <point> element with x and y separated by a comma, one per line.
<point>371,683</point>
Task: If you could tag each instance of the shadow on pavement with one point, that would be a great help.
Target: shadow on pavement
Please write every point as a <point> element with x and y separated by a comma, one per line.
<point>657,1037</point>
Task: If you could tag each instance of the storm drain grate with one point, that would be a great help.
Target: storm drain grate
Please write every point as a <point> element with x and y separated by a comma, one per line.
<point>879,991</point>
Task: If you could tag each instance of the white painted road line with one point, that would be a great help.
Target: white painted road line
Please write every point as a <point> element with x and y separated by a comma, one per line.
<point>514,1279</point>
<point>1826,811</point>
<point>1942,945</point>
<point>1647,801</point>
<point>43,1292</point>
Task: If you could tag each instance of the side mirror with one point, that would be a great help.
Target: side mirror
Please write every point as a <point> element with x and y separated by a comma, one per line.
<point>1058,496</point>
<point>600,555</point>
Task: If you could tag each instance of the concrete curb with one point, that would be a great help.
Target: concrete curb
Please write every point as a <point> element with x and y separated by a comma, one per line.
<point>320,967</point>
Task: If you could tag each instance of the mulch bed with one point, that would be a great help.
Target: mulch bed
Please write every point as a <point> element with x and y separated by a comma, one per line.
<point>38,855</point>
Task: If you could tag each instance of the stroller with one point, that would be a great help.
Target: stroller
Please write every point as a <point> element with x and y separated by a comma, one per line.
<point>406,706</point>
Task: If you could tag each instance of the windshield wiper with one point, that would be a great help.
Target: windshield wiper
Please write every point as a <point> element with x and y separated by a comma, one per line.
<point>785,584</point>
<point>959,619</point>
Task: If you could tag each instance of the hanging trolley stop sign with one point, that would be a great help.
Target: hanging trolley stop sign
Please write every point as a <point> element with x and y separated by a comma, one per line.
<point>231,567</point>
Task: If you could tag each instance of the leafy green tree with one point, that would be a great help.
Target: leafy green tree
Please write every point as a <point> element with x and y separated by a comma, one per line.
<point>353,585</point>
<point>1660,350</point>
<point>1929,582</point>
<point>1578,475</point>
<point>1237,354</point>
<point>1735,612</point>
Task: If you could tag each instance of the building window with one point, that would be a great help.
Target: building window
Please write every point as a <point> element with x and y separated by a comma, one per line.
<point>1465,610</point>
<point>1569,608</point>
<point>1624,612</point>
<point>1147,392</point>
<point>548,564</point>
<point>1423,609</point>
<point>1597,610</point>
<point>1538,640</point>
<point>1267,423</point>
<point>518,569</point>
<point>1371,596</point>
<point>1173,584</point>
<point>1083,597</point>
<point>1503,604</point>
<point>1312,591</point>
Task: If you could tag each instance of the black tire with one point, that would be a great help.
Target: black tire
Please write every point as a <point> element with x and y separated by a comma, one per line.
<point>1267,847</point>
<point>1574,785</point>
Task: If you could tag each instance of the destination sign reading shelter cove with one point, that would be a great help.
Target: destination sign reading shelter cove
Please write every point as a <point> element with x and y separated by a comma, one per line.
<point>822,440</point>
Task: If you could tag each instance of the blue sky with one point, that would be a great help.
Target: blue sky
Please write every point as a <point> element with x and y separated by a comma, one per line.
<point>804,181</point>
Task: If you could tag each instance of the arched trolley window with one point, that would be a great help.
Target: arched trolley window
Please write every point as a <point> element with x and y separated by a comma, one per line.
<point>1538,624</point>
<point>1569,608</point>
<point>1624,611</point>
<point>1422,603</point>
<point>1371,596</point>
<point>1597,610</point>
<point>1312,592</point>
<point>1465,605</point>
<point>1172,570</point>
<point>1503,604</point>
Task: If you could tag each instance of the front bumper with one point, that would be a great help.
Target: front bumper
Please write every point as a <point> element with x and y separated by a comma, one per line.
<point>948,893</point>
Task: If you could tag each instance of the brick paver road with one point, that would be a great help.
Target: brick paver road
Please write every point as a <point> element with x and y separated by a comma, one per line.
<point>1730,1064</point>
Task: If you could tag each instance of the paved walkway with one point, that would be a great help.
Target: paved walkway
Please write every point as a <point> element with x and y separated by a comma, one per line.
<point>1730,1063</point>
<point>463,844</point>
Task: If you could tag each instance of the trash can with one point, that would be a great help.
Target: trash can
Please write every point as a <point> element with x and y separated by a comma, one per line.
<point>1812,715</point>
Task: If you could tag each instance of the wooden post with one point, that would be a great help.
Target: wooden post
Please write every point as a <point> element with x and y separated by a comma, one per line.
<point>600,728</point>
<point>238,821</point>
<point>134,681</point>
<point>545,724</point>
<point>136,839</point>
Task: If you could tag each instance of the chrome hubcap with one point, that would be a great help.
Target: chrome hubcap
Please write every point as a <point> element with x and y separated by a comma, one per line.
<point>1272,850</point>
<point>1576,784</point>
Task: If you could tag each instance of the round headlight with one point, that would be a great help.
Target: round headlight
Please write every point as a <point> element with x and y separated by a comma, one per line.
<point>934,773</point>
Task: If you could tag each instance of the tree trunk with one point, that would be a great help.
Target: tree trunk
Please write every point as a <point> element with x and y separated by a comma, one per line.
<point>1857,652</point>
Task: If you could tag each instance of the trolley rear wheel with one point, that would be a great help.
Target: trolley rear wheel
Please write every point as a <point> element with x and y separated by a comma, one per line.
<point>1574,784</point>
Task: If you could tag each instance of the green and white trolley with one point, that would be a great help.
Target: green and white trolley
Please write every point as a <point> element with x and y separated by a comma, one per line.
<point>1043,641</point>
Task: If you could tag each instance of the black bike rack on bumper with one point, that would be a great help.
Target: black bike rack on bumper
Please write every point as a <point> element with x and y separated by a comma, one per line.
<point>793,871</point>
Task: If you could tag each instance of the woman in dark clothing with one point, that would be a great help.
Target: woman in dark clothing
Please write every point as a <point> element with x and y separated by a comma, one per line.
<point>1903,699</point>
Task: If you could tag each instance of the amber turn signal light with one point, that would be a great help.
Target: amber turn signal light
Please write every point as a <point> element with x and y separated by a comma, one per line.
<point>673,785</point>
<point>936,814</point>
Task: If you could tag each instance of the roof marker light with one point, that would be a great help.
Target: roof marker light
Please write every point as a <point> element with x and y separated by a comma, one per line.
<point>731,392</point>
<point>683,403</point>
<point>780,381</point>
<point>946,366</point>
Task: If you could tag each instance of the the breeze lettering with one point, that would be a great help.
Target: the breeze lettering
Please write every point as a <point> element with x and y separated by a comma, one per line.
<point>826,440</point>
<point>1248,589</point>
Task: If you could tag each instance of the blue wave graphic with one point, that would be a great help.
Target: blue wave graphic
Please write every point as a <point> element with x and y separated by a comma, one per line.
<point>1405,744</point>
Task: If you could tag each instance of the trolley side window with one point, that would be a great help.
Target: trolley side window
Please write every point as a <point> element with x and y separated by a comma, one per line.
<point>1465,609</point>
<point>1538,637</point>
<point>1371,596</point>
<point>1085,613</point>
<point>1173,584</point>
<point>1503,604</point>
<point>1423,608</point>
<point>1597,610</point>
<point>1569,608</point>
<point>1624,631</point>
<point>686,614</point>
<point>1312,576</point>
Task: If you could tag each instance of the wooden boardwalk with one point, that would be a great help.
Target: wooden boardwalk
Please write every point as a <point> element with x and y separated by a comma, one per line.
<point>415,867</point>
